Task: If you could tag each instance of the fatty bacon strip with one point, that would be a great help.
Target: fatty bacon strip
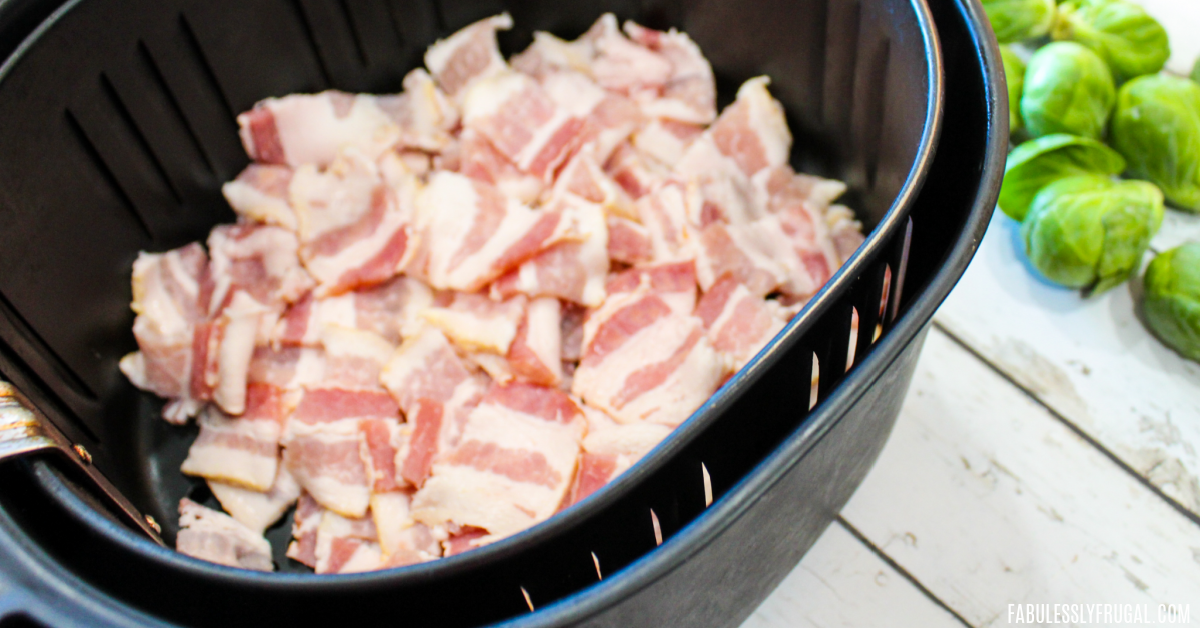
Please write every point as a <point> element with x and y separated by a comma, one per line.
<point>446,314</point>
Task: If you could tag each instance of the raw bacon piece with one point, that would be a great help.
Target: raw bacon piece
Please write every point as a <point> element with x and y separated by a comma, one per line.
<point>751,132</point>
<point>549,54</point>
<point>572,332</point>
<point>625,66</point>
<point>260,194</point>
<point>780,187</point>
<point>322,445</point>
<point>258,510</point>
<point>312,128</point>
<point>424,114</point>
<point>690,92</point>
<point>758,254</point>
<point>391,310</point>
<point>288,368</point>
<point>609,450</point>
<point>216,537</point>
<point>574,271</point>
<point>170,296</point>
<point>664,212</point>
<point>480,160</point>
<point>380,439</point>
<point>582,180</point>
<point>723,197</point>
<point>465,538</point>
<point>354,359</point>
<point>739,323</point>
<point>305,521</point>
<point>628,241</point>
<point>811,247</point>
<point>402,540</point>
<point>522,122</point>
<point>675,283</point>
<point>346,545</point>
<point>468,56</point>
<point>230,349</point>
<point>353,226</point>
<point>844,230</point>
<point>636,174</point>
<point>325,459</point>
<point>259,260</point>
<point>536,354</point>
<point>437,391</point>
<point>666,140</point>
<point>245,450</point>
<point>512,467</point>
<point>472,234</point>
<point>642,361</point>
<point>477,323</point>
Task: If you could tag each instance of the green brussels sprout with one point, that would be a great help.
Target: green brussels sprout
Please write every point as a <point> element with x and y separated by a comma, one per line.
<point>1156,127</point>
<point>1040,161</point>
<point>1014,74</point>
<point>1171,299</point>
<point>1015,20</point>
<point>1090,231</point>
<point>1130,41</point>
<point>1068,89</point>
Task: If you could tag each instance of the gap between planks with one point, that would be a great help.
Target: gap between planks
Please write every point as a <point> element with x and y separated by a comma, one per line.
<point>1143,480</point>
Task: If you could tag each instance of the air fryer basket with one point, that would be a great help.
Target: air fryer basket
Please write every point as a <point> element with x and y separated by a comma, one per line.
<point>126,130</point>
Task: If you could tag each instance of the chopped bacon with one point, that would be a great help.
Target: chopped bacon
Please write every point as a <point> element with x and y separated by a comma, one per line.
<point>258,260</point>
<point>549,55</point>
<point>424,114</point>
<point>346,544</point>
<point>312,128</point>
<point>779,187</point>
<point>244,450</point>
<point>690,92</point>
<point>610,448</point>
<point>325,459</point>
<point>353,226</point>
<point>472,234</point>
<point>582,180</point>
<point>625,66</point>
<point>479,160</point>
<point>437,391</point>
<point>725,197</point>
<point>752,133</point>
<point>758,254</point>
<point>288,368</point>
<point>305,521</point>
<point>522,122</point>
<point>260,194</point>
<point>354,359</point>
<point>632,171</point>
<point>170,296</point>
<point>477,323</point>
<point>664,212</point>
<point>574,271</point>
<point>628,241</point>
<point>666,140</point>
<point>216,537</point>
<point>644,361</point>
<point>844,230</point>
<point>402,540</point>
<point>572,332</point>
<point>254,509</point>
<point>230,349</point>
<point>391,310</point>
<point>536,353</point>
<point>467,538</point>
<point>468,56</point>
<point>739,322</point>
<point>674,282</point>
<point>512,466</point>
<point>380,437</point>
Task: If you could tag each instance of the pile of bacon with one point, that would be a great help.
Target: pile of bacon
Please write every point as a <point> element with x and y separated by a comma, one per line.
<point>447,314</point>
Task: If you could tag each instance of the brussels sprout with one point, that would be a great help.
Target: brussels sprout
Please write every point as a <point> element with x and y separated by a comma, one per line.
<point>1171,299</point>
<point>1014,74</point>
<point>1040,161</point>
<point>1015,20</point>
<point>1122,33</point>
<point>1068,89</point>
<point>1089,231</point>
<point>1157,128</point>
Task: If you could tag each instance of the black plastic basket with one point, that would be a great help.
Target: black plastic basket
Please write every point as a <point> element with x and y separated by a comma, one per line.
<point>117,124</point>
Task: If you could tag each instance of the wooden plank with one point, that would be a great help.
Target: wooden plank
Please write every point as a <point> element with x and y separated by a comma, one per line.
<point>841,582</point>
<point>1089,359</point>
<point>988,500</point>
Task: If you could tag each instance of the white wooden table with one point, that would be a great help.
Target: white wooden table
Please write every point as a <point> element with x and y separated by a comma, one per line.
<point>1047,453</point>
